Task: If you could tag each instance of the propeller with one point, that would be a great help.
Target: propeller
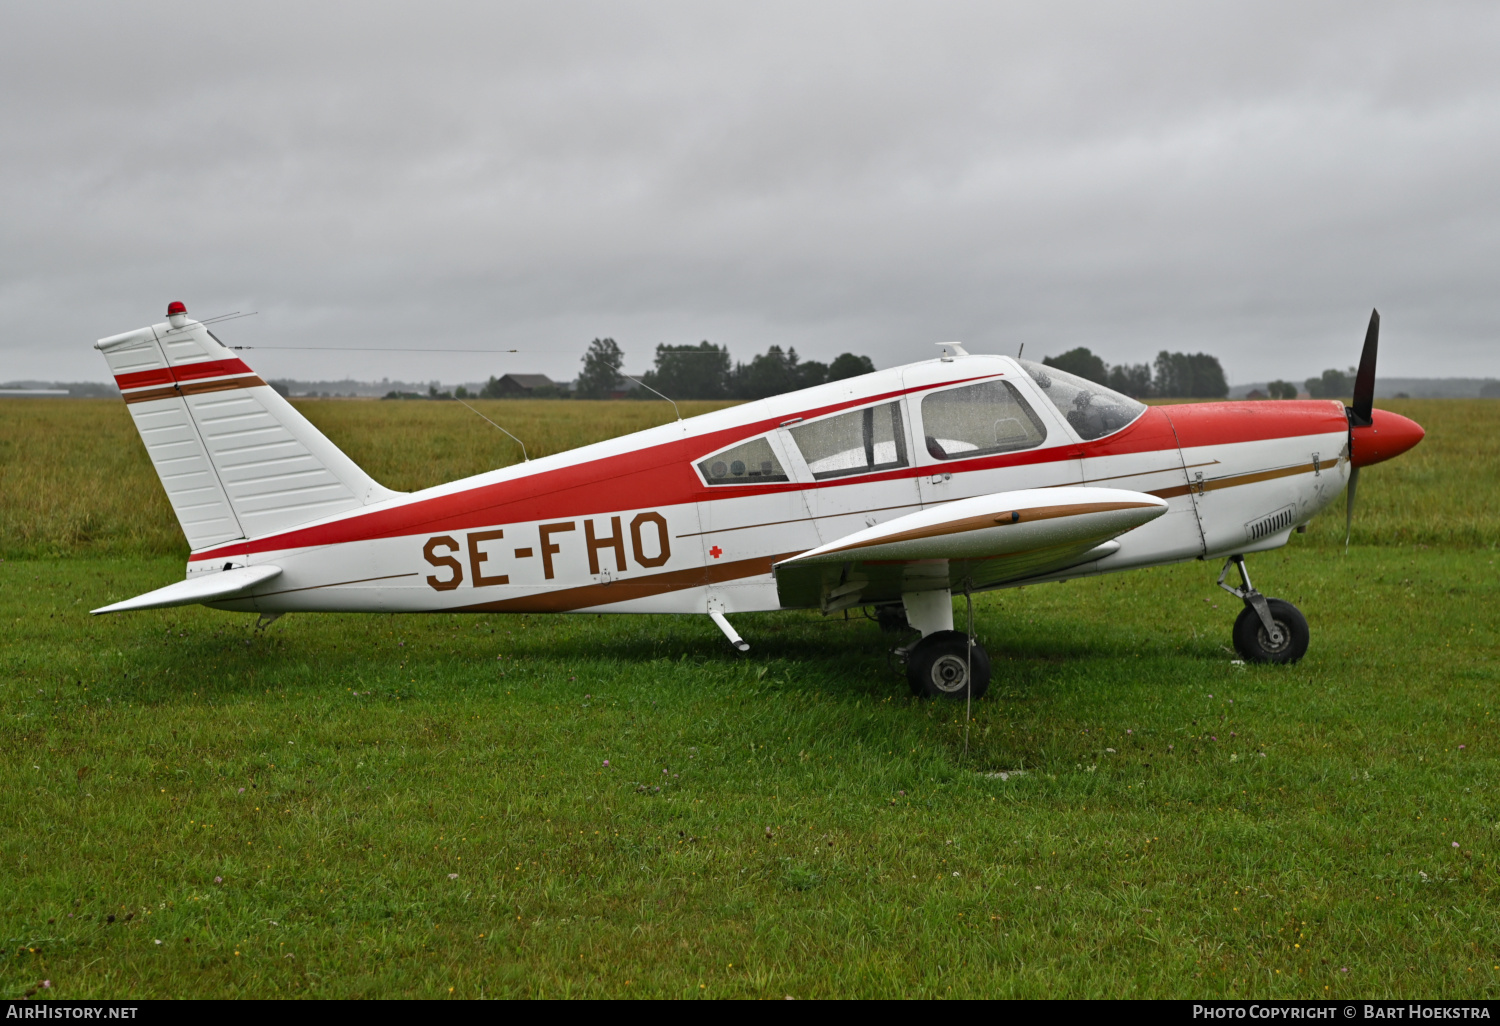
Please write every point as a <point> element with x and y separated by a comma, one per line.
<point>1360,412</point>
<point>1364,378</point>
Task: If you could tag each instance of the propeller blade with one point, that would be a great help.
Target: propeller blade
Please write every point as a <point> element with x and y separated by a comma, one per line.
<point>1364,379</point>
<point>1349,507</point>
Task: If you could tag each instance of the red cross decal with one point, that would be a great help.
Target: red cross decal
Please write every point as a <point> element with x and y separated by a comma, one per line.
<point>716,552</point>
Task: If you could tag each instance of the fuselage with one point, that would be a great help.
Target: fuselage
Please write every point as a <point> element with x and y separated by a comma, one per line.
<point>690,517</point>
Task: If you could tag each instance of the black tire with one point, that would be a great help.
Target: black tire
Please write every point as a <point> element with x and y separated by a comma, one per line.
<point>1253,643</point>
<point>935,667</point>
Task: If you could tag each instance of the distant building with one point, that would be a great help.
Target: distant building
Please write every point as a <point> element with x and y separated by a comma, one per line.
<point>1255,393</point>
<point>523,386</point>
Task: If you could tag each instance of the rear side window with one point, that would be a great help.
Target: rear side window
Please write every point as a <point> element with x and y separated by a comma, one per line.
<point>979,420</point>
<point>752,462</point>
<point>853,443</point>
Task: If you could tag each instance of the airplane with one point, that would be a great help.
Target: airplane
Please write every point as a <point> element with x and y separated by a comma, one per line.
<point>893,492</point>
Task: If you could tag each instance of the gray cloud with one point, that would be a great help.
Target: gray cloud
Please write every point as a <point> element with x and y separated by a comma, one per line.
<point>1242,180</point>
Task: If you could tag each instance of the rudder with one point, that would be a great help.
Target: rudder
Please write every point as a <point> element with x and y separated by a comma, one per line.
<point>236,459</point>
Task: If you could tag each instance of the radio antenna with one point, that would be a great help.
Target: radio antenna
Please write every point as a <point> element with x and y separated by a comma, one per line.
<point>367,349</point>
<point>228,317</point>
<point>492,424</point>
<point>648,388</point>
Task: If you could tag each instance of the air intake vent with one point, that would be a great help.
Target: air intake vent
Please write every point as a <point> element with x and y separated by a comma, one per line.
<point>1266,526</point>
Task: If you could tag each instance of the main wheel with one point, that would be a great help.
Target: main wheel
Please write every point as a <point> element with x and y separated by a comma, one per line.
<point>1253,643</point>
<point>941,665</point>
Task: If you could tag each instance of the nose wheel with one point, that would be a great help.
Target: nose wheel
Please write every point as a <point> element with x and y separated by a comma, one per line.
<point>1268,630</point>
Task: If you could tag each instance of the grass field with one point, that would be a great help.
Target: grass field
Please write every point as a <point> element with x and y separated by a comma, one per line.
<point>402,805</point>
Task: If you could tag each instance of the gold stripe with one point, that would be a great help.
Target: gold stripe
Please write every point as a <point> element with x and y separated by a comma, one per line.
<point>147,394</point>
<point>194,388</point>
<point>221,385</point>
<point>566,600</point>
<point>979,523</point>
<point>1139,473</point>
<point>1233,481</point>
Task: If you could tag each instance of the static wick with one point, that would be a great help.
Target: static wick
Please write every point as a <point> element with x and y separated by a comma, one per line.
<point>492,424</point>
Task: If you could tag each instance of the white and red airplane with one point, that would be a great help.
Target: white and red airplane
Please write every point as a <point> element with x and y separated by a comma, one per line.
<point>890,491</point>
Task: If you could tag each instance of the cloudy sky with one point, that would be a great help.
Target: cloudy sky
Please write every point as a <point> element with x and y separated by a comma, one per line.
<point>1245,180</point>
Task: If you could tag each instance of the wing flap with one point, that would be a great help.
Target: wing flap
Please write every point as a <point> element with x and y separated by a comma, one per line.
<point>211,587</point>
<point>984,541</point>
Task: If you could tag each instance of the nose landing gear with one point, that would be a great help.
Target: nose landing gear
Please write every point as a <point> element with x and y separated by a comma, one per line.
<point>1268,630</point>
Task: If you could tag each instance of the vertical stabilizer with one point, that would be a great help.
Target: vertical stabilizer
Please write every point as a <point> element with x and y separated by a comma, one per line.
<point>236,459</point>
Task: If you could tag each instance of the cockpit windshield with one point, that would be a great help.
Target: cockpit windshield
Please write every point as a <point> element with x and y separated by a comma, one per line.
<point>1093,410</point>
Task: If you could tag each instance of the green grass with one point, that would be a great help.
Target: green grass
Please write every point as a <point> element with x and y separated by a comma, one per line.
<point>816,832</point>
<point>75,479</point>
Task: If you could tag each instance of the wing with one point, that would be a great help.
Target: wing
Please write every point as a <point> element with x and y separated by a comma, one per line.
<point>209,587</point>
<point>984,541</point>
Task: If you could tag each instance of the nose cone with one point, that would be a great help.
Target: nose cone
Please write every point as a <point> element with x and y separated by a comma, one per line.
<point>1390,435</point>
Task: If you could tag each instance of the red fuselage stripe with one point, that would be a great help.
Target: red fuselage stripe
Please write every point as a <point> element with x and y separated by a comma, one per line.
<point>662,475</point>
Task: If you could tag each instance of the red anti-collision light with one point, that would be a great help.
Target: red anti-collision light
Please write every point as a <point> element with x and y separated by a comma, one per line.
<point>176,308</point>
<point>1388,436</point>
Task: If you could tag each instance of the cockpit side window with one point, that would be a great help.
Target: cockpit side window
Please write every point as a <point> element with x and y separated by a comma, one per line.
<point>857,442</point>
<point>979,420</point>
<point>1093,410</point>
<point>752,462</point>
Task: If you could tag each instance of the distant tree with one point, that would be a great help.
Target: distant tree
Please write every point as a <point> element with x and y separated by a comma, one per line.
<point>1489,390</point>
<point>1333,384</point>
<point>691,372</point>
<point>810,373</point>
<point>1134,379</point>
<point>1172,375</point>
<point>847,365</point>
<point>601,369</point>
<point>1189,376</point>
<point>771,373</point>
<point>460,392</point>
<point>1282,390</point>
<point>1081,362</point>
<point>1209,381</point>
<point>281,388</point>
<point>491,389</point>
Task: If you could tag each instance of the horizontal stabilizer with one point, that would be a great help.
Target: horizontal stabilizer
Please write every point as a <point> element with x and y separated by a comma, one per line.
<point>979,542</point>
<point>224,584</point>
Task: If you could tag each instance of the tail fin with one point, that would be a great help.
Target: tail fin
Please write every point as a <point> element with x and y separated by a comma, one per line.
<point>236,459</point>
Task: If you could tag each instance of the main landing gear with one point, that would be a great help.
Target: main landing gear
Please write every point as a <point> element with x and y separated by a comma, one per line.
<point>1268,630</point>
<point>945,663</point>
